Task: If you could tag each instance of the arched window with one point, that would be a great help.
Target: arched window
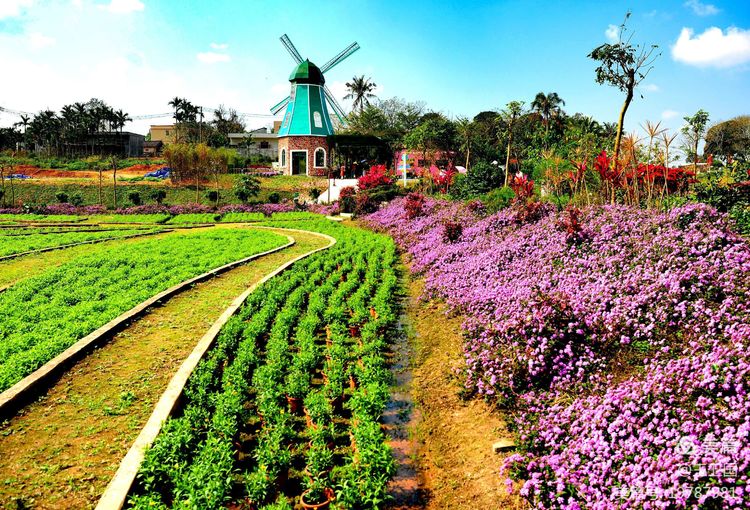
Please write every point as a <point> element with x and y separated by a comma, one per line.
<point>320,157</point>
<point>317,120</point>
<point>283,157</point>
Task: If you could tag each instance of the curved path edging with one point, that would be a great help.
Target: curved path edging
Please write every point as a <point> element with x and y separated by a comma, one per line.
<point>116,493</point>
<point>13,397</point>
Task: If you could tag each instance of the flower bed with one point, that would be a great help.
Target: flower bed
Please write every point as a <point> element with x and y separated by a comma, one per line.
<point>619,337</point>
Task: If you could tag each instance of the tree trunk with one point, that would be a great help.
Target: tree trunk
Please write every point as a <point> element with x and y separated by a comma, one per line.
<point>618,138</point>
<point>12,189</point>
<point>217,189</point>
<point>114,181</point>
<point>695,155</point>
<point>507,154</point>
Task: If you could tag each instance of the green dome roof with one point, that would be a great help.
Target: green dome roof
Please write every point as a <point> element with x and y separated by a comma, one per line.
<point>307,72</point>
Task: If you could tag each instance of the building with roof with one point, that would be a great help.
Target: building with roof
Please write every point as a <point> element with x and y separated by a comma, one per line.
<point>165,133</point>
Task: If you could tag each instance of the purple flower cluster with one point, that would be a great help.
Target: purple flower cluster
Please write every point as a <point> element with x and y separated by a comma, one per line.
<point>625,356</point>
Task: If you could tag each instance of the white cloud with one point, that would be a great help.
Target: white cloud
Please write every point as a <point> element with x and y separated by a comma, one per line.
<point>702,9</point>
<point>651,87</point>
<point>38,41</point>
<point>220,47</point>
<point>612,33</point>
<point>13,8</point>
<point>713,48</point>
<point>669,114</point>
<point>211,57</point>
<point>124,6</point>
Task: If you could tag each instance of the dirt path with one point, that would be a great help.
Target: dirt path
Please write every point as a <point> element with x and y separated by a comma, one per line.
<point>445,443</point>
<point>63,449</point>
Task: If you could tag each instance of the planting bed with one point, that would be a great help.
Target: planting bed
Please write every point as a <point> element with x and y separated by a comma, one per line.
<point>64,304</point>
<point>288,402</point>
<point>12,243</point>
<point>617,337</point>
<point>62,450</point>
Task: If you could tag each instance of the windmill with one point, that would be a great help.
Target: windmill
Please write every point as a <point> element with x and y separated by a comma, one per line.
<point>307,123</point>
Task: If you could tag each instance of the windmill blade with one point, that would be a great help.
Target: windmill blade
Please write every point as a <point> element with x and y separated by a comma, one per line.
<point>280,105</point>
<point>335,106</point>
<point>291,49</point>
<point>343,55</point>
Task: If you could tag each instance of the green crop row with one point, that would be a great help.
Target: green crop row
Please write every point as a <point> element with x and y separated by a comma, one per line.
<point>43,315</point>
<point>288,403</point>
<point>194,218</point>
<point>11,219</point>
<point>13,243</point>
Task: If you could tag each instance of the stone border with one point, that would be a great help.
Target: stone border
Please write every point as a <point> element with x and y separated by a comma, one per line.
<point>71,245</point>
<point>12,398</point>
<point>116,493</point>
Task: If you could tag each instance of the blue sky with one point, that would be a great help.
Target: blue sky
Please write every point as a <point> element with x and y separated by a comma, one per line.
<point>458,57</point>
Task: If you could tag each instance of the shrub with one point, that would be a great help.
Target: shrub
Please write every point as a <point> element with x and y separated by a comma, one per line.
<point>158,195</point>
<point>246,187</point>
<point>377,176</point>
<point>315,193</point>
<point>452,231</point>
<point>347,201</point>
<point>364,204</point>
<point>274,198</point>
<point>212,196</point>
<point>413,205</point>
<point>61,197</point>
<point>76,200</point>
<point>479,179</point>
<point>135,198</point>
<point>499,198</point>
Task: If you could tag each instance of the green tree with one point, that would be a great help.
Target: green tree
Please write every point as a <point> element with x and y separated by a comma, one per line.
<point>548,106</point>
<point>692,133</point>
<point>466,130</point>
<point>730,139</point>
<point>510,116</point>
<point>246,187</point>
<point>625,66</point>
<point>360,90</point>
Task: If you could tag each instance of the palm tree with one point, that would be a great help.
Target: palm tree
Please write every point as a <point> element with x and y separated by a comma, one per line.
<point>465,129</point>
<point>360,90</point>
<point>25,119</point>
<point>176,103</point>
<point>510,115</point>
<point>548,106</point>
<point>121,118</point>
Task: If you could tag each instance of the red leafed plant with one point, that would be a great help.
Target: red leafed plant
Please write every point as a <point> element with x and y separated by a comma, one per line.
<point>413,205</point>
<point>377,176</point>
<point>570,223</point>
<point>522,187</point>
<point>452,231</point>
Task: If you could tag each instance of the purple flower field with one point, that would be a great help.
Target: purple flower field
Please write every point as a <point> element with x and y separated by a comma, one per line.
<point>617,340</point>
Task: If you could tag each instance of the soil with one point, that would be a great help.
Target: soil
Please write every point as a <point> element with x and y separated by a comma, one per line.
<point>131,171</point>
<point>444,446</point>
<point>61,451</point>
